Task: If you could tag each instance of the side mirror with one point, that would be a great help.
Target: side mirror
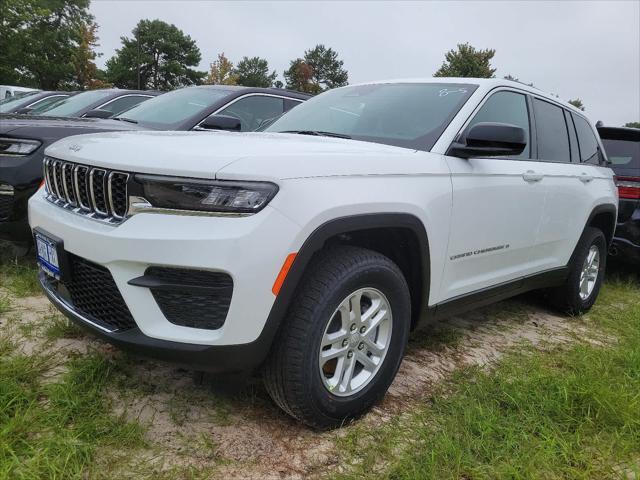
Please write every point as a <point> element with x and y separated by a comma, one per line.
<point>221,122</point>
<point>489,139</point>
<point>97,113</point>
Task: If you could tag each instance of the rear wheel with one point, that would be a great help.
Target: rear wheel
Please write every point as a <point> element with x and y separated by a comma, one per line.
<point>343,339</point>
<point>586,272</point>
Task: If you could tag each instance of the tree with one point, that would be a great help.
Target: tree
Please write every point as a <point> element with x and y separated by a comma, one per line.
<point>467,62</point>
<point>86,75</point>
<point>160,54</point>
<point>632,125</point>
<point>38,39</point>
<point>254,72</point>
<point>221,72</point>
<point>577,103</point>
<point>299,77</point>
<point>318,71</point>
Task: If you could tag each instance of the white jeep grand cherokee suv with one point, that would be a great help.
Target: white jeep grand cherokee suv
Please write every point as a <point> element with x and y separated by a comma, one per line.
<point>310,251</point>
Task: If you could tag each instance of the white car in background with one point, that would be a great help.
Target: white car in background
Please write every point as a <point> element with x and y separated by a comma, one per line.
<point>310,251</point>
<point>7,91</point>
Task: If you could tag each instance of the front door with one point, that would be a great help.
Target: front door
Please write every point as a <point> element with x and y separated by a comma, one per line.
<point>497,208</point>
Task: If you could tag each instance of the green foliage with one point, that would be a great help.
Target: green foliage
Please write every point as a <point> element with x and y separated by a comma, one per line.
<point>577,103</point>
<point>467,62</point>
<point>165,55</point>
<point>318,71</point>
<point>56,430</point>
<point>632,125</point>
<point>17,274</point>
<point>254,72</point>
<point>221,72</point>
<point>38,40</point>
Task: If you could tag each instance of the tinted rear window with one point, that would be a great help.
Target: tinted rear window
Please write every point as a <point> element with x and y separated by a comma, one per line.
<point>587,139</point>
<point>553,136</point>
<point>623,154</point>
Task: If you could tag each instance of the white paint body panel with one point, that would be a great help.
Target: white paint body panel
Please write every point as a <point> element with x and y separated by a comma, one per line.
<point>465,205</point>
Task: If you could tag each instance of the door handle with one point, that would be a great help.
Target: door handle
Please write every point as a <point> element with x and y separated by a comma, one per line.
<point>531,176</point>
<point>585,178</point>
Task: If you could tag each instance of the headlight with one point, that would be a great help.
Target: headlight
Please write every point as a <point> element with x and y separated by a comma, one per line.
<point>213,196</point>
<point>18,146</point>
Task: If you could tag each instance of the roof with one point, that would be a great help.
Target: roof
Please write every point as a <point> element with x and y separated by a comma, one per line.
<point>274,91</point>
<point>619,133</point>
<point>485,84</point>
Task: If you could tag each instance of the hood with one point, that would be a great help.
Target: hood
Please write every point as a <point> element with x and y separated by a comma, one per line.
<point>238,155</point>
<point>41,127</point>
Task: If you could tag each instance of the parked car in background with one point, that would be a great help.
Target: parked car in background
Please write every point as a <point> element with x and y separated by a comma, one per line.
<point>308,252</point>
<point>623,150</point>
<point>29,101</point>
<point>7,91</point>
<point>102,103</point>
<point>23,138</point>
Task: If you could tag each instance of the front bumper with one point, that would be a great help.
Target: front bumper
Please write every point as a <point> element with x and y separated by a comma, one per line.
<point>249,249</point>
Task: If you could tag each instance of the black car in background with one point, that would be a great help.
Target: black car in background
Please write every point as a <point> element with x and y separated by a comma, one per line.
<point>28,101</point>
<point>101,103</point>
<point>23,138</point>
<point>623,149</point>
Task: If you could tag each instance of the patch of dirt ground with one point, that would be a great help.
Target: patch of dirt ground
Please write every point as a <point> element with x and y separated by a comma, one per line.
<point>240,432</point>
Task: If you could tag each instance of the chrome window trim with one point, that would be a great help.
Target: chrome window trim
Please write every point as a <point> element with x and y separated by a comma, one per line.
<point>43,99</point>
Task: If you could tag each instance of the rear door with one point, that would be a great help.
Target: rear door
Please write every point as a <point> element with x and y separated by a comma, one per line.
<point>497,206</point>
<point>570,157</point>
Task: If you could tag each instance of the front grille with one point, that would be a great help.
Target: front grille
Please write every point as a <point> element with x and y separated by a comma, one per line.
<point>6,206</point>
<point>96,192</point>
<point>94,294</point>
<point>192,298</point>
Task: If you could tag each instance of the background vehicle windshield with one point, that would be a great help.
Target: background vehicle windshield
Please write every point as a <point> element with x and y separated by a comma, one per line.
<point>411,115</point>
<point>9,103</point>
<point>71,105</point>
<point>171,109</point>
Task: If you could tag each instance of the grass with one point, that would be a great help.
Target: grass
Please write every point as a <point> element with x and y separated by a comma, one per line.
<point>18,275</point>
<point>56,430</point>
<point>573,412</point>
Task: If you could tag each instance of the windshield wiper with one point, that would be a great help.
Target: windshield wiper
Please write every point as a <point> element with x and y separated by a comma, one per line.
<point>318,133</point>
<point>124,119</point>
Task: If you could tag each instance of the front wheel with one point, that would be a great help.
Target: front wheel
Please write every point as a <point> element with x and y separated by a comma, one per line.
<point>586,272</point>
<point>343,339</point>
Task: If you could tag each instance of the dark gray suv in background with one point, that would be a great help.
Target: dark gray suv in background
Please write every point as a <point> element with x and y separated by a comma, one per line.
<point>23,138</point>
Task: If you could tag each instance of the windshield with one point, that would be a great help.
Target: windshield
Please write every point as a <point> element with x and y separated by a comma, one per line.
<point>72,105</point>
<point>411,115</point>
<point>168,111</point>
<point>623,154</point>
<point>8,104</point>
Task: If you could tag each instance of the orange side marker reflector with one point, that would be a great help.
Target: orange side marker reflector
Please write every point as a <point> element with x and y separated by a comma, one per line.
<point>41,185</point>
<point>286,266</point>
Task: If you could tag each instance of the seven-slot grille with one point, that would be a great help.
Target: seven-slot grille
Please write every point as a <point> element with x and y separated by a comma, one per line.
<point>96,192</point>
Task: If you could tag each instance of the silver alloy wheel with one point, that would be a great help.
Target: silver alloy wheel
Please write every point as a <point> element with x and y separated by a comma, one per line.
<point>589,274</point>
<point>355,342</point>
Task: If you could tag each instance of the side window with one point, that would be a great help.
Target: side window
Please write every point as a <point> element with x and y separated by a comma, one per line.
<point>573,140</point>
<point>252,111</point>
<point>45,102</point>
<point>506,107</point>
<point>122,104</point>
<point>553,137</point>
<point>589,152</point>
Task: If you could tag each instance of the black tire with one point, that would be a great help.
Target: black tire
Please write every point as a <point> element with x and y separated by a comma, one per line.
<point>567,297</point>
<point>292,374</point>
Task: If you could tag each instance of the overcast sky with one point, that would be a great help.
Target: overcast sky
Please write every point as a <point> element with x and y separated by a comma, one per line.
<point>584,49</point>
